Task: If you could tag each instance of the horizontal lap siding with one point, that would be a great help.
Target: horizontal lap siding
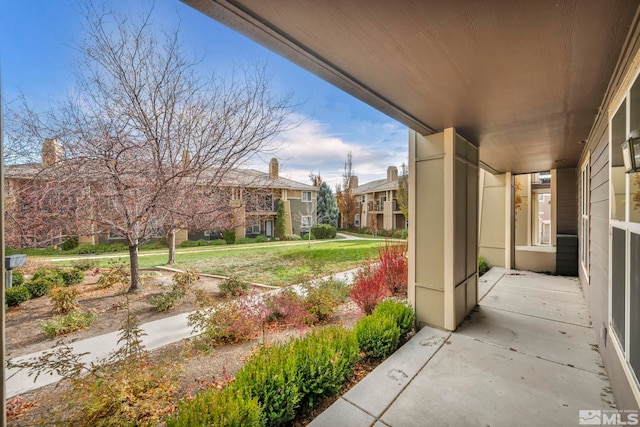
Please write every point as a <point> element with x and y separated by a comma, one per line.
<point>567,202</point>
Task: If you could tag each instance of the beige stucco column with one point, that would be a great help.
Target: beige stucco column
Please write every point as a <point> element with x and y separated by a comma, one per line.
<point>443,242</point>
<point>387,214</point>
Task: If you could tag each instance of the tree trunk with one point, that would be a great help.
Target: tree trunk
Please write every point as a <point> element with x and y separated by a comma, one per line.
<point>171,243</point>
<point>135,268</point>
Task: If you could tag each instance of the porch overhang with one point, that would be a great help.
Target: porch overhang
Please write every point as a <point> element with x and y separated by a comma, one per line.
<point>524,80</point>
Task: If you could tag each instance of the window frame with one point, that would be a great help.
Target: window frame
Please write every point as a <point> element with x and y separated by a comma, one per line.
<point>585,209</point>
<point>253,228</point>
<point>302,221</point>
<point>305,199</point>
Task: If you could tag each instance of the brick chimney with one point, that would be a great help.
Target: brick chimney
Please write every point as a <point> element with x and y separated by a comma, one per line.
<point>392,174</point>
<point>273,168</point>
<point>186,159</point>
<point>51,152</point>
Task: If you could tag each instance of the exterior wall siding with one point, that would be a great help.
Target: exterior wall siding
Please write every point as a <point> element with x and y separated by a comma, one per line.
<point>596,286</point>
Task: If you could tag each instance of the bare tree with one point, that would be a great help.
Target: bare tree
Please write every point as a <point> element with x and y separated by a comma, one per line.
<point>138,107</point>
<point>345,195</point>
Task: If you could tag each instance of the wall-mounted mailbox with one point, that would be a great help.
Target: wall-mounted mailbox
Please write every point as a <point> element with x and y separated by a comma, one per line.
<point>11,262</point>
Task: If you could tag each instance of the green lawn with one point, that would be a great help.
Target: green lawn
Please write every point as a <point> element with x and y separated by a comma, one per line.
<point>270,264</point>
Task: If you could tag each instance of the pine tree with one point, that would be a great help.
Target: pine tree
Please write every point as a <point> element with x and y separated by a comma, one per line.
<point>327,206</point>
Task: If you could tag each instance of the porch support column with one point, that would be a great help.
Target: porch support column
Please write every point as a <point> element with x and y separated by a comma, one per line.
<point>443,231</point>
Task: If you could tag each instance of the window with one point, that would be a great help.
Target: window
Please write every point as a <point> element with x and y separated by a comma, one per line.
<point>624,222</point>
<point>255,228</point>
<point>207,234</point>
<point>306,221</point>
<point>584,217</point>
<point>306,196</point>
<point>356,221</point>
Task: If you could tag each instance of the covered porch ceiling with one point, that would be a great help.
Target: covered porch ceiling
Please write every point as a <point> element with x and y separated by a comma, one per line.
<point>522,79</point>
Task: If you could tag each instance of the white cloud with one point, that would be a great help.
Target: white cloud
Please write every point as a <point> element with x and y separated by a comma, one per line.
<point>312,146</point>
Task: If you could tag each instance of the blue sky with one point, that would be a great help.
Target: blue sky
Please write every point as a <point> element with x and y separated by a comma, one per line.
<point>37,39</point>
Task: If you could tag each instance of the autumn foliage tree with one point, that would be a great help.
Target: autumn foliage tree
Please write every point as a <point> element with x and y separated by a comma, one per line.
<point>345,195</point>
<point>146,139</point>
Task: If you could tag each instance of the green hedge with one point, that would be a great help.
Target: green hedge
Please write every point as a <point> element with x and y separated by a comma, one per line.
<point>323,231</point>
<point>285,380</point>
<point>17,278</point>
<point>401,313</point>
<point>218,408</point>
<point>377,335</point>
<point>16,295</point>
<point>323,361</point>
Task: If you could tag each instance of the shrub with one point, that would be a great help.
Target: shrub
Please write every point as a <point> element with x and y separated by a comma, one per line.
<point>377,336</point>
<point>154,245</point>
<point>69,244</point>
<point>404,234</point>
<point>17,278</point>
<point>16,295</point>
<point>323,231</point>
<point>213,407</point>
<point>234,287</point>
<point>401,313</point>
<point>165,301</point>
<point>261,239</point>
<point>53,276</point>
<point>368,288</point>
<point>292,237</point>
<point>245,240</point>
<point>288,308</point>
<point>131,394</point>
<point>392,264</point>
<point>323,360</point>
<point>229,236</point>
<point>70,322</point>
<point>271,377</point>
<point>229,323</point>
<point>38,287</point>
<point>117,274</point>
<point>181,283</point>
<point>72,277</point>
<point>64,299</point>
<point>101,248</point>
<point>323,298</point>
<point>85,264</point>
<point>217,242</point>
<point>483,266</point>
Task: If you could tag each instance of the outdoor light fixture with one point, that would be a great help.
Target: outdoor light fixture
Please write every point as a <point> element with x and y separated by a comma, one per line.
<point>631,152</point>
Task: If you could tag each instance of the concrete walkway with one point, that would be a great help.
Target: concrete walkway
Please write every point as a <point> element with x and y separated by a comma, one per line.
<point>525,357</point>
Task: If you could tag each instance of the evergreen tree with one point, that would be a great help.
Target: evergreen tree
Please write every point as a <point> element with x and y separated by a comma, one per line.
<point>280,226</point>
<point>327,206</point>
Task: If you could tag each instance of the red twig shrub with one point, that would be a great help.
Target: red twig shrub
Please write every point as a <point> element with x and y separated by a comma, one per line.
<point>289,309</point>
<point>392,263</point>
<point>369,288</point>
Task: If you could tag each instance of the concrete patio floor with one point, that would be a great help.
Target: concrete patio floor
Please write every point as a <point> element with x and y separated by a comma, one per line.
<point>527,356</point>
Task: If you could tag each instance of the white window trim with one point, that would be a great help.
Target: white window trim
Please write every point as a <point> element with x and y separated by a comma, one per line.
<point>356,220</point>
<point>253,228</point>
<point>585,220</point>
<point>306,199</point>
<point>307,219</point>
